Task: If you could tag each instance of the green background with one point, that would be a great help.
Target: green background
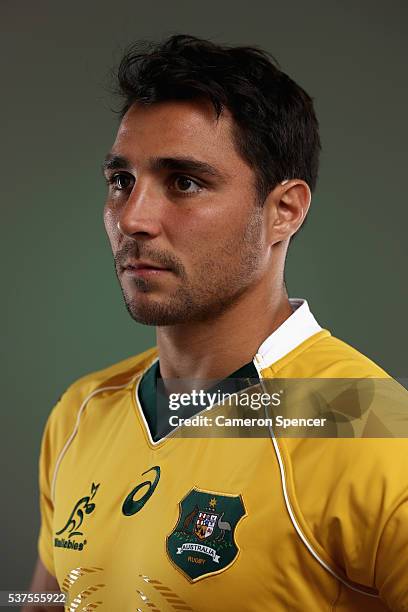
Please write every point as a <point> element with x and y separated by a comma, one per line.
<point>62,309</point>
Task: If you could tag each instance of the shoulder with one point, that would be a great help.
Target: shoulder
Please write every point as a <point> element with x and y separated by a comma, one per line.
<point>63,416</point>
<point>345,488</point>
<point>119,373</point>
<point>324,355</point>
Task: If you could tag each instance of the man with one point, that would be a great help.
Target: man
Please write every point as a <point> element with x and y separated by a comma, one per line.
<point>209,178</point>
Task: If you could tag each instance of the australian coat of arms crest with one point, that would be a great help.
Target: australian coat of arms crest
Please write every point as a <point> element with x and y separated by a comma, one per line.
<point>202,542</point>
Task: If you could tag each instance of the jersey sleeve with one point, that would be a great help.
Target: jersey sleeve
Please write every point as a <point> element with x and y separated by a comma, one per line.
<point>392,560</point>
<point>46,467</point>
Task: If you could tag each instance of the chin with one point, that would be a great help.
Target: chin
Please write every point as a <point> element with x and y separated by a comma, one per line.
<point>156,314</point>
<point>179,309</point>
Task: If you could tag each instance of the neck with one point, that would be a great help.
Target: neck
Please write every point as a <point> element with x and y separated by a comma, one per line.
<point>215,348</point>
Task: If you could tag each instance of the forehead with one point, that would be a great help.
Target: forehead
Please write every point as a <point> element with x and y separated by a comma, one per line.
<point>178,128</point>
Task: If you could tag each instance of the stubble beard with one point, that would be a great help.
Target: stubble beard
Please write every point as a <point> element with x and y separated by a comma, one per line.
<point>222,280</point>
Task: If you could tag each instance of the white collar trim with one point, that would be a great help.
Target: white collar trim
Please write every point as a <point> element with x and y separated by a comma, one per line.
<point>297,328</point>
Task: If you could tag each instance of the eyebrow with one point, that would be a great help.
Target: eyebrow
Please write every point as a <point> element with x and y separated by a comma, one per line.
<point>113,162</point>
<point>185,164</point>
<point>178,164</point>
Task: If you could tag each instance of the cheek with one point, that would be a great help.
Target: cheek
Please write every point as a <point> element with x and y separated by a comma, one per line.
<point>209,240</point>
<point>110,225</point>
<point>207,224</point>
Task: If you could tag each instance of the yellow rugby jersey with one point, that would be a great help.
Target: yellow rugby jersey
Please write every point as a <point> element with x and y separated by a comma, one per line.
<point>220,524</point>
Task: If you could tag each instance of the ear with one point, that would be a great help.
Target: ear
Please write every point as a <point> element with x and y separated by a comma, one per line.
<point>288,205</point>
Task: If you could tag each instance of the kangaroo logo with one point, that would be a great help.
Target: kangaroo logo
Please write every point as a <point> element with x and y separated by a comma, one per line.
<point>76,518</point>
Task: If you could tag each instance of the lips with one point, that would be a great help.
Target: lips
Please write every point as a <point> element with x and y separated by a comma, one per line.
<point>144,269</point>
<point>142,265</point>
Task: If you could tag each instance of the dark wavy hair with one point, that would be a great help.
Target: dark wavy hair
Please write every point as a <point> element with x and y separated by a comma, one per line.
<point>275,127</point>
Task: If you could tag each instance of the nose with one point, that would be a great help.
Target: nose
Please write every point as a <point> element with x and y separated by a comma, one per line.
<point>140,216</point>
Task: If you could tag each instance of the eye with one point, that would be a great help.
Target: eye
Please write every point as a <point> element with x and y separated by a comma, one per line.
<point>185,184</point>
<point>121,181</point>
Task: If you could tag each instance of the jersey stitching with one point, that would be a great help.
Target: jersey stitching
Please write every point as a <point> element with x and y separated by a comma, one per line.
<point>76,427</point>
<point>297,527</point>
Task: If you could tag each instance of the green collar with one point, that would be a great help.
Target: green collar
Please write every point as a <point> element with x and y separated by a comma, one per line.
<point>149,395</point>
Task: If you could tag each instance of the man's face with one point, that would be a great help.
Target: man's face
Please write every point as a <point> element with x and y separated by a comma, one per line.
<point>191,240</point>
